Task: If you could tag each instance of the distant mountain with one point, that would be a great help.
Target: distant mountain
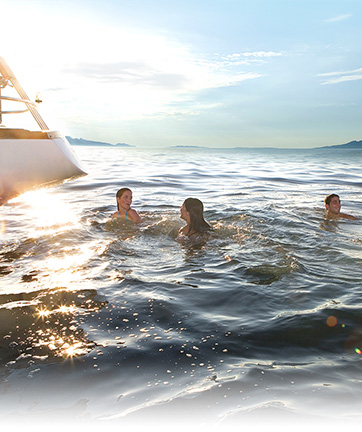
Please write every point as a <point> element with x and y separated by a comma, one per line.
<point>187,146</point>
<point>350,145</point>
<point>84,142</point>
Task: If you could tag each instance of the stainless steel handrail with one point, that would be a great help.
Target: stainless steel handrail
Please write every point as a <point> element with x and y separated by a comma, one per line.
<point>8,74</point>
<point>17,100</point>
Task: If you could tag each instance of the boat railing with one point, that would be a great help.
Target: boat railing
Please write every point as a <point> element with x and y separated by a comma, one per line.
<point>7,77</point>
<point>9,98</point>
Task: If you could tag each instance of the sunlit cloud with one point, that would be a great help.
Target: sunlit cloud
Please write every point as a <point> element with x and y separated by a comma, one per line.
<point>139,85</point>
<point>343,76</point>
<point>131,73</point>
<point>148,85</point>
<point>258,54</point>
<point>118,73</point>
<point>338,18</point>
<point>190,74</point>
<point>343,79</point>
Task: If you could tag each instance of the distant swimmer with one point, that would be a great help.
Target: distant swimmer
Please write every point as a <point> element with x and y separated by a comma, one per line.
<point>124,201</point>
<point>332,204</point>
<point>192,212</point>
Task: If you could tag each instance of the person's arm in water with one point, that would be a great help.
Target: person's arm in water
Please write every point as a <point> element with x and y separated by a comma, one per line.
<point>347,216</point>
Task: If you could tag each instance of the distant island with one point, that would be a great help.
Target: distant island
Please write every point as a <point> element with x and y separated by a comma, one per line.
<point>350,145</point>
<point>187,146</point>
<point>84,142</point>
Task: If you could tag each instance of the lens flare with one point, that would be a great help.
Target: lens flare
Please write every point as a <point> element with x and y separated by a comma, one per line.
<point>43,312</point>
<point>332,321</point>
<point>358,351</point>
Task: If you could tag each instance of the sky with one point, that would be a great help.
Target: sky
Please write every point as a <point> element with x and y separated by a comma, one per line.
<point>215,73</point>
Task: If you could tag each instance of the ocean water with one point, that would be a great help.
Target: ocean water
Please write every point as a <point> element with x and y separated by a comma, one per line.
<point>110,324</point>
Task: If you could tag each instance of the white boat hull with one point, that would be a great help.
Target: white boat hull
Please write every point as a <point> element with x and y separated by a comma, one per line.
<point>26,163</point>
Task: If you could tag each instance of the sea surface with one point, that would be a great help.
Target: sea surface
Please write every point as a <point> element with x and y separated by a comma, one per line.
<point>108,324</point>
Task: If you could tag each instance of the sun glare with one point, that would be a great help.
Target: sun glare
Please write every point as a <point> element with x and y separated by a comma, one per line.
<point>69,266</point>
<point>2,227</point>
<point>46,211</point>
<point>67,309</point>
<point>71,258</point>
<point>142,77</point>
<point>77,349</point>
<point>43,312</point>
<point>58,331</point>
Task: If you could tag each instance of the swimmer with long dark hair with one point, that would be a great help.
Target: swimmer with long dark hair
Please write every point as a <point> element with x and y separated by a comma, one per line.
<point>124,201</point>
<point>192,212</point>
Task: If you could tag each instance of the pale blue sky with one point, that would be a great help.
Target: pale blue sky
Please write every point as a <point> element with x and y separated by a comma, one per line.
<point>227,73</point>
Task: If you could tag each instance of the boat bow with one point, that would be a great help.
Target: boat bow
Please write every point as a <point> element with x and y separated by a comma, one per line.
<point>31,159</point>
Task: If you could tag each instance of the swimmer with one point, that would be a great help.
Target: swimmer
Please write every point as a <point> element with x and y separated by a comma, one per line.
<point>333,207</point>
<point>124,201</point>
<point>192,212</point>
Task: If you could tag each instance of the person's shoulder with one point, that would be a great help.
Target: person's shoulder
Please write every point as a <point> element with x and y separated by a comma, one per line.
<point>115,214</point>
<point>347,216</point>
<point>184,230</point>
<point>134,216</point>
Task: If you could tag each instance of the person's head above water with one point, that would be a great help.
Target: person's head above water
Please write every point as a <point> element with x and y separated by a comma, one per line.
<point>332,204</point>
<point>124,201</point>
<point>124,198</point>
<point>192,212</point>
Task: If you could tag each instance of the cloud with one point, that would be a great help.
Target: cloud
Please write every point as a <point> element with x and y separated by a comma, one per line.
<point>142,86</point>
<point>343,76</point>
<point>130,73</point>
<point>260,54</point>
<point>182,74</point>
<point>338,18</point>
<point>343,79</point>
<point>121,72</point>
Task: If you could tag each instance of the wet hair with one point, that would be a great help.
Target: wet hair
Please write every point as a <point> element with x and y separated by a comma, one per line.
<point>329,198</point>
<point>197,222</point>
<point>119,193</point>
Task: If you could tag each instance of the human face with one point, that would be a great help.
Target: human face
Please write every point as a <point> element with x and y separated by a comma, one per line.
<point>185,215</point>
<point>334,206</point>
<point>125,200</point>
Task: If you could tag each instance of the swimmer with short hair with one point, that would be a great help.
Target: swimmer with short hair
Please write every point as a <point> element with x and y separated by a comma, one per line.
<point>124,201</point>
<point>332,204</point>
